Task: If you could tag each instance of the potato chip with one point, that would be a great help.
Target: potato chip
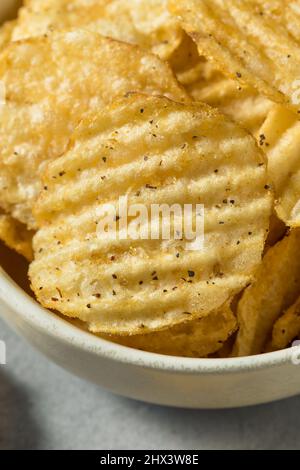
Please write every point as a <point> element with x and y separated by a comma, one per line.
<point>287,328</point>
<point>244,105</point>
<point>249,42</point>
<point>284,11</point>
<point>197,338</point>
<point>186,63</point>
<point>241,103</point>
<point>6,33</point>
<point>143,22</point>
<point>153,151</point>
<point>226,349</point>
<point>16,236</point>
<point>278,230</point>
<point>205,83</point>
<point>49,84</point>
<point>280,139</point>
<point>276,287</point>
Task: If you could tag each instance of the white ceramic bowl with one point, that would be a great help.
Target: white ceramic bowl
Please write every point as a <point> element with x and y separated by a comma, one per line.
<point>174,381</point>
<point>166,380</point>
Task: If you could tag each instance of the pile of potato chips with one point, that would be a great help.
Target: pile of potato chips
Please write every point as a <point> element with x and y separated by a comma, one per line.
<point>162,102</point>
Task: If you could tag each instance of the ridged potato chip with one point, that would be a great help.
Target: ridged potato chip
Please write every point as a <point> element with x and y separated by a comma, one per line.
<point>188,66</point>
<point>16,236</point>
<point>280,138</point>
<point>197,338</point>
<point>49,84</point>
<point>250,41</point>
<point>153,151</point>
<point>13,233</point>
<point>143,22</point>
<point>205,83</point>
<point>287,328</point>
<point>276,288</point>
<point>241,103</point>
<point>148,24</point>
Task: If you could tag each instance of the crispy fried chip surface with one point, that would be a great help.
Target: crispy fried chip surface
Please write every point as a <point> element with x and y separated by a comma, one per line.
<point>144,22</point>
<point>153,151</point>
<point>197,338</point>
<point>48,85</point>
<point>275,289</point>
<point>280,138</point>
<point>256,42</point>
<point>241,103</point>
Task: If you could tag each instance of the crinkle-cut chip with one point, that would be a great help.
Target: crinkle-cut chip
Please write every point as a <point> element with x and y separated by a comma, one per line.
<point>6,33</point>
<point>287,328</point>
<point>49,84</point>
<point>154,151</point>
<point>144,22</point>
<point>248,43</point>
<point>276,288</point>
<point>286,12</point>
<point>197,338</point>
<point>280,138</point>
<point>205,83</point>
<point>16,236</point>
<point>241,103</point>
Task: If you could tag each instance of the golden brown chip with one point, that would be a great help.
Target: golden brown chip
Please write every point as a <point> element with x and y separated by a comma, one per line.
<point>16,236</point>
<point>284,11</point>
<point>48,85</point>
<point>188,66</point>
<point>241,103</point>
<point>143,22</point>
<point>205,83</point>
<point>6,33</point>
<point>226,349</point>
<point>154,151</point>
<point>249,41</point>
<point>280,139</point>
<point>146,23</point>
<point>287,328</point>
<point>276,287</point>
<point>278,230</point>
<point>197,338</point>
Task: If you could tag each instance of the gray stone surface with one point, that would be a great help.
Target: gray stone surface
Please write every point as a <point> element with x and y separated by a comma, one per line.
<point>44,407</point>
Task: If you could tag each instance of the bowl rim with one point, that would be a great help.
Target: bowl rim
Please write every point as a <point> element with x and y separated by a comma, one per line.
<point>31,312</point>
